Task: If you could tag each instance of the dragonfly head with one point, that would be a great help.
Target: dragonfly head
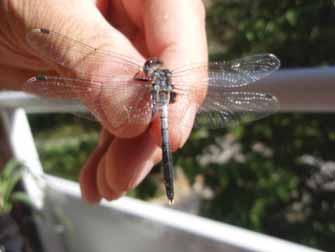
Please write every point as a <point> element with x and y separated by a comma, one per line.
<point>151,65</point>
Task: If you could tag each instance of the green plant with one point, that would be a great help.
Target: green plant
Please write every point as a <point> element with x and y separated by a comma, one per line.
<point>9,177</point>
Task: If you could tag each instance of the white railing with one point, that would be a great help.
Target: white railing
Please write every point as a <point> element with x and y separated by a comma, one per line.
<point>298,90</point>
<point>68,224</point>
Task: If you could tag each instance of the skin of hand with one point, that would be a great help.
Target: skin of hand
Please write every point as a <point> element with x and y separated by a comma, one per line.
<point>173,31</point>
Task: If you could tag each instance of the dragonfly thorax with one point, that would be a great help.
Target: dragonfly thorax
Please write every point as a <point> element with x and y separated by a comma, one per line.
<point>161,78</point>
<point>162,89</point>
<point>161,85</point>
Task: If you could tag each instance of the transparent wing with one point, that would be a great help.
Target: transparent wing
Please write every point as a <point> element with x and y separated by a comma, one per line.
<point>222,109</point>
<point>228,74</point>
<point>79,56</point>
<point>224,104</point>
<point>231,108</point>
<point>121,100</point>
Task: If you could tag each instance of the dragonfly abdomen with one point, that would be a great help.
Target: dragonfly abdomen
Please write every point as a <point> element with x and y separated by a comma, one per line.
<point>167,157</point>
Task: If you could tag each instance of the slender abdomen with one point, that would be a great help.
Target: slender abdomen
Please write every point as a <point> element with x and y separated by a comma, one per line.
<point>167,157</point>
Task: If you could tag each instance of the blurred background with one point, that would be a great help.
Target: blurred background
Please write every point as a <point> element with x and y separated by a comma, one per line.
<point>275,175</point>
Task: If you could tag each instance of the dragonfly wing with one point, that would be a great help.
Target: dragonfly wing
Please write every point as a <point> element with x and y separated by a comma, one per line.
<point>225,109</point>
<point>117,102</point>
<point>79,56</point>
<point>228,74</point>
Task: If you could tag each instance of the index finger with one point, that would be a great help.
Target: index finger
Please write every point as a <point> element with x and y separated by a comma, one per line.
<point>175,32</point>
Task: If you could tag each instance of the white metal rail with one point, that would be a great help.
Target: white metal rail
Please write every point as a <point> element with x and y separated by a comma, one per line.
<point>132,225</point>
<point>298,90</point>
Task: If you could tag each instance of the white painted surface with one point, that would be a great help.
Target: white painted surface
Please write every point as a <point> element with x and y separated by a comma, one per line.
<point>132,225</point>
<point>24,150</point>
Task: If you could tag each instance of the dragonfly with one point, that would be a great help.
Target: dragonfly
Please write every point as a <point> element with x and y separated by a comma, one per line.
<point>146,90</point>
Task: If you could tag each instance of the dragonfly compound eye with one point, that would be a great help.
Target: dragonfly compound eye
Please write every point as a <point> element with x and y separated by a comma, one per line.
<point>151,65</point>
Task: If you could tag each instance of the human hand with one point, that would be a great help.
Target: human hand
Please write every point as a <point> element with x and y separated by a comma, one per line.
<point>173,31</point>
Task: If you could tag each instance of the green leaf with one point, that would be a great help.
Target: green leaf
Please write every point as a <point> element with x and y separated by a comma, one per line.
<point>291,17</point>
<point>22,197</point>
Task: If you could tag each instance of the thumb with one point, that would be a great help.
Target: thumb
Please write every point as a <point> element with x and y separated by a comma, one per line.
<point>87,55</point>
<point>18,17</point>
